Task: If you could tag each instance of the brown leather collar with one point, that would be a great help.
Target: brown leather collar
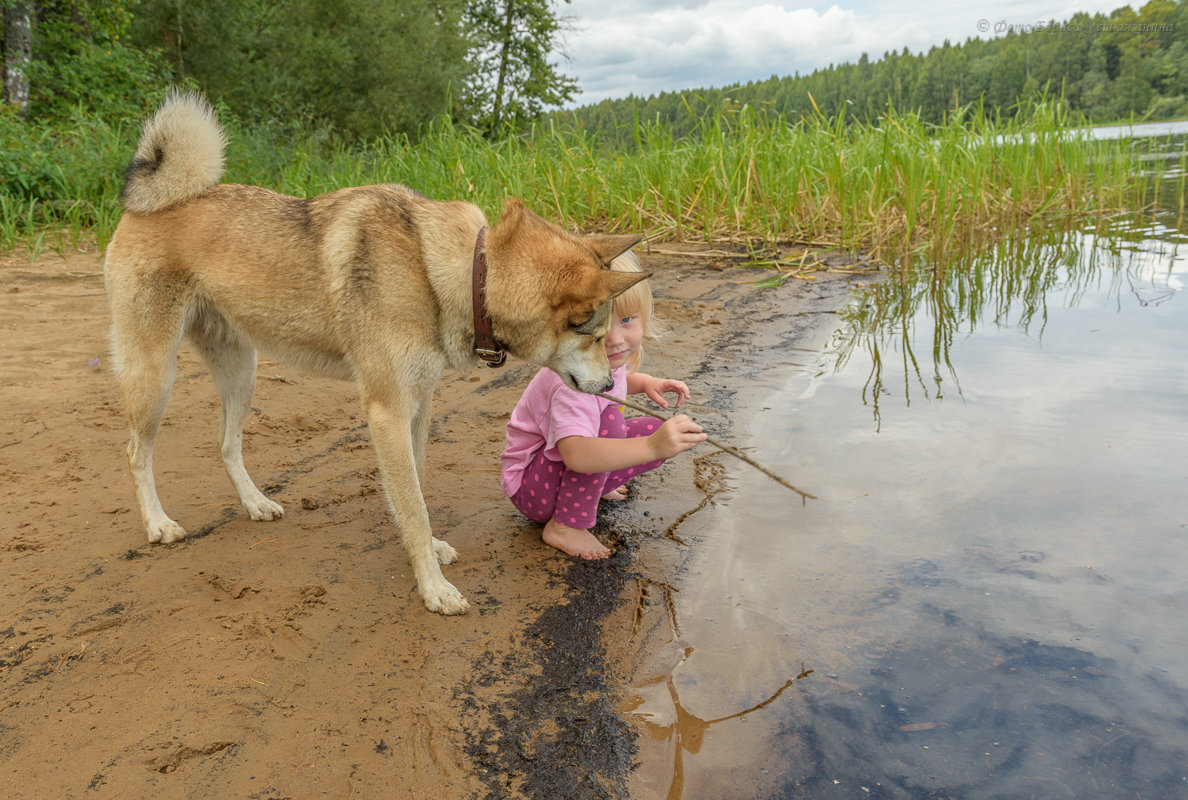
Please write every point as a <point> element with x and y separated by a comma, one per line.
<point>485,345</point>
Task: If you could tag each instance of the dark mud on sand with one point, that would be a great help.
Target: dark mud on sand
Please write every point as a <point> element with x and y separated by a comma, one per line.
<point>294,658</point>
<point>561,735</point>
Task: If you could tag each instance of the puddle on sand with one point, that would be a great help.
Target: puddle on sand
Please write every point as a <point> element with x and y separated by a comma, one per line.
<point>986,600</point>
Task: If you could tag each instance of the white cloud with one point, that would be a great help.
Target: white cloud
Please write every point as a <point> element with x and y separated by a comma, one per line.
<point>646,47</point>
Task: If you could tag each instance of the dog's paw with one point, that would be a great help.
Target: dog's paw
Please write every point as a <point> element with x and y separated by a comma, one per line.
<point>166,531</point>
<point>444,598</point>
<point>261,508</point>
<point>444,552</point>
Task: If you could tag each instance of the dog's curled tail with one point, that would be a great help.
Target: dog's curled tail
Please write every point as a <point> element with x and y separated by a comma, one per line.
<point>180,154</point>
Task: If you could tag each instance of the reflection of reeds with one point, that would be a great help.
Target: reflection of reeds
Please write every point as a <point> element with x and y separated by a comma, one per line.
<point>1010,280</point>
<point>1011,283</point>
<point>888,187</point>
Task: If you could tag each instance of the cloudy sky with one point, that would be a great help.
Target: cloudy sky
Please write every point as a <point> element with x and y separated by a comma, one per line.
<point>648,46</point>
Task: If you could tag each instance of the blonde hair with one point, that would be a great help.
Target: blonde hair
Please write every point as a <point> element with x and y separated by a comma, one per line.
<point>636,300</point>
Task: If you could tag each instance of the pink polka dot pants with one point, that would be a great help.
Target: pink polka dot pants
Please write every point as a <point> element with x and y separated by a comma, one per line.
<point>550,489</point>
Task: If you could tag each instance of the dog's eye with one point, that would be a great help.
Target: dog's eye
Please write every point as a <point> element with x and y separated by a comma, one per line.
<point>593,324</point>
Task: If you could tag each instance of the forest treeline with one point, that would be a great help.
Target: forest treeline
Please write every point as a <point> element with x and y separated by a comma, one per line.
<point>358,69</point>
<point>1102,67</point>
<point>354,69</point>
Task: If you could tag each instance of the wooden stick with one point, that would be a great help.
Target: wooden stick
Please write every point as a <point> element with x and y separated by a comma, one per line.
<point>725,448</point>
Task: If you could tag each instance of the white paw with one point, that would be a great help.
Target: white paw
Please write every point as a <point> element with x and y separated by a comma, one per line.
<point>444,552</point>
<point>165,531</point>
<point>261,508</point>
<point>444,598</point>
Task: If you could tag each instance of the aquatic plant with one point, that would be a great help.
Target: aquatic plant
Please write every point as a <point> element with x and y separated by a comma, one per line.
<point>886,189</point>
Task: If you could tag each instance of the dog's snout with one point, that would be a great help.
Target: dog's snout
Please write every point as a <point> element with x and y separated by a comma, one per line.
<point>590,385</point>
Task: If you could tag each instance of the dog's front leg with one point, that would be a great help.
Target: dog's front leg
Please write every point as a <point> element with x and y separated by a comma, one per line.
<point>446,554</point>
<point>392,422</point>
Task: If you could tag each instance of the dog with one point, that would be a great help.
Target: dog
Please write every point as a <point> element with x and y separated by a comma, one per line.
<point>376,284</point>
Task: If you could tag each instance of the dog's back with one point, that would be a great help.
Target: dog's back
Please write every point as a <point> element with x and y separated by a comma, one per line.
<point>195,257</point>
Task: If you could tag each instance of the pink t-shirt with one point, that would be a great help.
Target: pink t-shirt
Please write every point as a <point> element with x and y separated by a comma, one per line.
<point>547,412</point>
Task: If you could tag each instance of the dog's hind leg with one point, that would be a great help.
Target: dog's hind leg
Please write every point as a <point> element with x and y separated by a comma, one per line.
<point>231,357</point>
<point>391,416</point>
<point>147,359</point>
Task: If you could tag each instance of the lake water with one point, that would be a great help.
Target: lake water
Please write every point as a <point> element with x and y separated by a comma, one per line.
<point>987,600</point>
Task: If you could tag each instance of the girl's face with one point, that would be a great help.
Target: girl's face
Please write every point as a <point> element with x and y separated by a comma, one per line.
<point>624,338</point>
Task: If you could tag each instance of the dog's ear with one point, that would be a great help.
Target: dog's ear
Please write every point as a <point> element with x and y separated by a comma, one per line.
<point>589,305</point>
<point>513,214</point>
<point>607,247</point>
<point>612,284</point>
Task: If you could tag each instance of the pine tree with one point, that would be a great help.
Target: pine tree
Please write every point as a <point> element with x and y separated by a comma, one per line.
<point>514,80</point>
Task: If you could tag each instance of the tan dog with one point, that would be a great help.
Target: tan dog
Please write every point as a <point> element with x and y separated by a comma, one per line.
<point>372,284</point>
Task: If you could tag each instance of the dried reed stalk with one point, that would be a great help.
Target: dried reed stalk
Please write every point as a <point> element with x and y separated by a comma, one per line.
<point>725,448</point>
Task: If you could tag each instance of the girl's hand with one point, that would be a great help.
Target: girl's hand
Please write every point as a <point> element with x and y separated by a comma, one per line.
<point>676,436</point>
<point>655,389</point>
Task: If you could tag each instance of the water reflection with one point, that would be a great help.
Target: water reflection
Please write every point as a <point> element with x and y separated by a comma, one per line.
<point>685,731</point>
<point>1012,284</point>
<point>990,588</point>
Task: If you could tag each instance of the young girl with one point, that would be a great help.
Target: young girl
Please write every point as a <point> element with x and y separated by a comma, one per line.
<point>566,450</point>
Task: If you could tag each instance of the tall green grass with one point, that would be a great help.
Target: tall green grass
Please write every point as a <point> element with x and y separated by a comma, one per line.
<point>59,186</point>
<point>887,188</point>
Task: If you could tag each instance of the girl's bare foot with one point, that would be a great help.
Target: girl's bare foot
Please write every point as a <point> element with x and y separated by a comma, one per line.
<point>574,541</point>
<point>616,494</point>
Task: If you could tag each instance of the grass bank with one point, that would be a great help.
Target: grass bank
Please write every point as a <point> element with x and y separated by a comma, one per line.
<point>885,188</point>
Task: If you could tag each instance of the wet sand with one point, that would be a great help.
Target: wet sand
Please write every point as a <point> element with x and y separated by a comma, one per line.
<point>294,659</point>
